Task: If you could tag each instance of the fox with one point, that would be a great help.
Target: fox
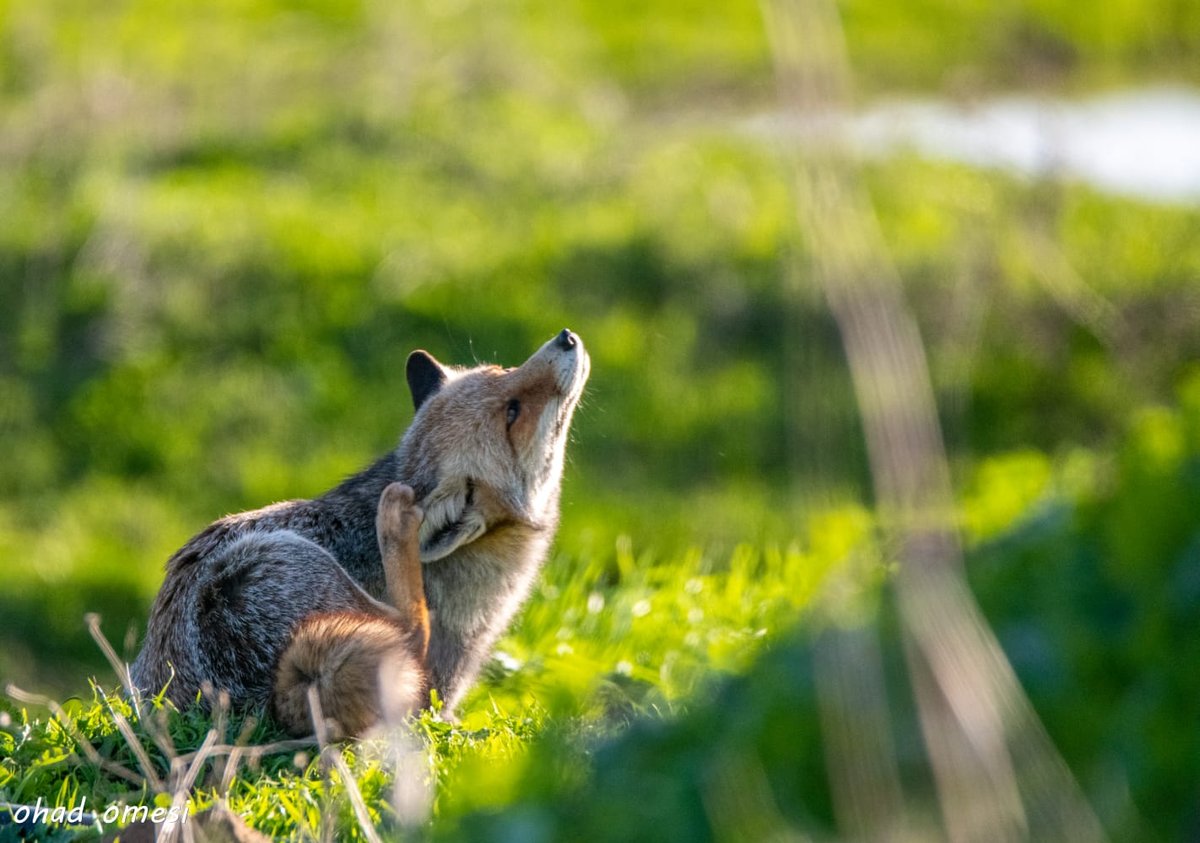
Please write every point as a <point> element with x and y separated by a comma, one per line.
<point>396,583</point>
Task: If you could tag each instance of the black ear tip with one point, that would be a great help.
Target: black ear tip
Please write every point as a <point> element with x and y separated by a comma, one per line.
<point>425,376</point>
<point>421,362</point>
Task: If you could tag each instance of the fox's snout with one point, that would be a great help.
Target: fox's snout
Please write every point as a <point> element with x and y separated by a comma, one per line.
<point>569,363</point>
<point>566,340</point>
<point>543,390</point>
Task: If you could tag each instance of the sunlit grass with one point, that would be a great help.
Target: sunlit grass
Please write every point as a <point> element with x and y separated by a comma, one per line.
<point>605,640</point>
<point>221,230</point>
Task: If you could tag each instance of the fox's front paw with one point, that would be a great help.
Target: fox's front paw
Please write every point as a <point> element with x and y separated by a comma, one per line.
<point>399,519</point>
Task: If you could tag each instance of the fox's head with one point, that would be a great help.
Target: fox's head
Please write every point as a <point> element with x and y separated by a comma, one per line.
<point>485,448</point>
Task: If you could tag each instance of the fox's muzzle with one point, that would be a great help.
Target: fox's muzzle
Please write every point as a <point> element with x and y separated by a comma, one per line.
<point>570,362</point>
<point>566,340</point>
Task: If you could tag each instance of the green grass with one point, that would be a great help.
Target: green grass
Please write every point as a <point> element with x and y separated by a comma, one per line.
<point>633,684</point>
<point>604,641</point>
<point>222,228</point>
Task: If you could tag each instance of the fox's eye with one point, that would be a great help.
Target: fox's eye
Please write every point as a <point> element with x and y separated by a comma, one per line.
<point>514,410</point>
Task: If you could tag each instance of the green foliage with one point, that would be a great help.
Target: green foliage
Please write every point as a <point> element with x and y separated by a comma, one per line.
<point>600,648</point>
<point>223,226</point>
<point>745,763</point>
<point>1087,598</point>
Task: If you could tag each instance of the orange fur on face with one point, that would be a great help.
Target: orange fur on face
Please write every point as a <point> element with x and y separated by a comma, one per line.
<point>534,395</point>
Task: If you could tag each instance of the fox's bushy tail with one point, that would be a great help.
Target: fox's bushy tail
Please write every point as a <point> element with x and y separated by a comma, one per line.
<point>362,667</point>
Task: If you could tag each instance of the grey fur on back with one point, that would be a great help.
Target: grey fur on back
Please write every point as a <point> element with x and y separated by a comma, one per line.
<point>233,594</point>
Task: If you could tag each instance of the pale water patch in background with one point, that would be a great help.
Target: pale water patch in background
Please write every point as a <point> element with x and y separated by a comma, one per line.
<point>1142,143</point>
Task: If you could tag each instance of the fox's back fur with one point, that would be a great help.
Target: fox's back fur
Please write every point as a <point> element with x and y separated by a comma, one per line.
<point>483,457</point>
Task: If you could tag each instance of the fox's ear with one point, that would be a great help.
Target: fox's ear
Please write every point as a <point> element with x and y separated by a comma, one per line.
<point>425,376</point>
<point>452,518</point>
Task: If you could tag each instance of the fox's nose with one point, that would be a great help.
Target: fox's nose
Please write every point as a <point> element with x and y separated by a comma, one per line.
<point>566,340</point>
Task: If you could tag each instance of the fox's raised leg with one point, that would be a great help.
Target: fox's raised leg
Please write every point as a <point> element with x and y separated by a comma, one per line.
<point>367,662</point>
<point>397,524</point>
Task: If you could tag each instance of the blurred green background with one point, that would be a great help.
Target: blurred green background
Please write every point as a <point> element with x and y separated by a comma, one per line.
<point>224,225</point>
